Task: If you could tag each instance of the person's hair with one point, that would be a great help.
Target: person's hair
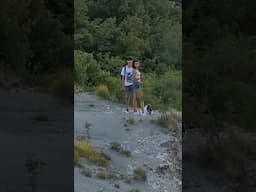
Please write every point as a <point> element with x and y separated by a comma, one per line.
<point>133,63</point>
<point>129,58</point>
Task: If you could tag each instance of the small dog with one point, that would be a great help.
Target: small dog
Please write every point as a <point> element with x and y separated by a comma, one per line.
<point>148,109</point>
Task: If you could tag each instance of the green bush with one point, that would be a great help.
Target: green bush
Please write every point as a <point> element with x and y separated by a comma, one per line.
<point>113,84</point>
<point>62,84</point>
<point>110,63</point>
<point>164,91</point>
<point>87,70</point>
<point>103,91</point>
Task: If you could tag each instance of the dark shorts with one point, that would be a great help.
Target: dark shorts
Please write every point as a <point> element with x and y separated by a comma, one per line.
<point>136,86</point>
<point>128,91</point>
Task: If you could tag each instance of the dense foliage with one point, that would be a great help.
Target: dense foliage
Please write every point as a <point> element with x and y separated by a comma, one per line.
<point>108,31</point>
<point>37,39</point>
<point>219,84</point>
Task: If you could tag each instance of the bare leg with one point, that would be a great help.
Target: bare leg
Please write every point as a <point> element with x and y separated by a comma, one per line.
<point>142,106</point>
<point>141,101</point>
<point>135,101</point>
<point>128,98</point>
<point>127,102</point>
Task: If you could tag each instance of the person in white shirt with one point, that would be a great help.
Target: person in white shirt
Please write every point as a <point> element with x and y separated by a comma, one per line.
<point>137,91</point>
<point>126,77</point>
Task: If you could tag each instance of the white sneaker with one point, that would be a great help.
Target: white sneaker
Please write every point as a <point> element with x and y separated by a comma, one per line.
<point>126,111</point>
<point>143,114</point>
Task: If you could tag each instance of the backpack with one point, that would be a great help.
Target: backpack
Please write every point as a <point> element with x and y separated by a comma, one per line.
<point>124,65</point>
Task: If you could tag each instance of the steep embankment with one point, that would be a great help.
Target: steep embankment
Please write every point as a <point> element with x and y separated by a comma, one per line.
<point>152,149</point>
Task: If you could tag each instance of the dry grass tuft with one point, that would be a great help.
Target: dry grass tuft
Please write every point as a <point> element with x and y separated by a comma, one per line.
<point>131,121</point>
<point>135,190</point>
<point>107,175</point>
<point>86,150</point>
<point>103,91</point>
<point>169,120</point>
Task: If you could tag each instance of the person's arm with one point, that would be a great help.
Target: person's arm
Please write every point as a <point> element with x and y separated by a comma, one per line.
<point>134,75</point>
<point>122,76</point>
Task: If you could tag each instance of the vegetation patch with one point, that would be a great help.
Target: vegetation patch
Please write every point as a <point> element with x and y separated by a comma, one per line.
<point>113,176</point>
<point>117,147</point>
<point>86,150</point>
<point>76,158</point>
<point>131,121</point>
<point>103,91</point>
<point>169,120</point>
<point>87,172</point>
<point>139,174</point>
<point>102,175</point>
<point>163,120</point>
<point>126,152</point>
<point>107,175</point>
<point>135,190</point>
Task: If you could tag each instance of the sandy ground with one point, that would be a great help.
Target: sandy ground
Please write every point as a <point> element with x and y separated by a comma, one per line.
<point>143,139</point>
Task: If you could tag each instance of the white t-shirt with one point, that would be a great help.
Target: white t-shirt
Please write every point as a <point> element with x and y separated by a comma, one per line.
<point>137,75</point>
<point>128,75</point>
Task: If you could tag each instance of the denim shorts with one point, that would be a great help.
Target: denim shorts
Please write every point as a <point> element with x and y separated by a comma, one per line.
<point>128,90</point>
<point>136,86</point>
